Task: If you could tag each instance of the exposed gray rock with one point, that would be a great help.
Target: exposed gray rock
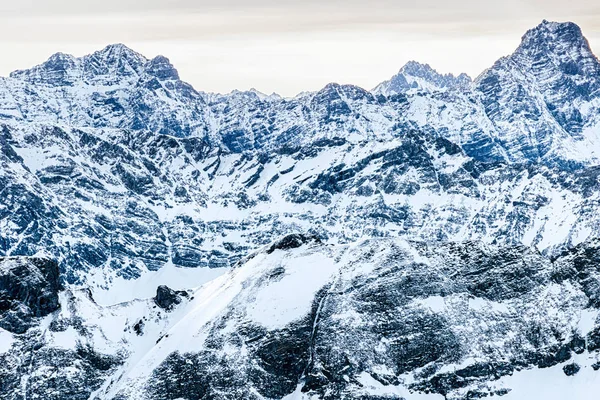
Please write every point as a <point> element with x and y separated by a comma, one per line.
<point>29,289</point>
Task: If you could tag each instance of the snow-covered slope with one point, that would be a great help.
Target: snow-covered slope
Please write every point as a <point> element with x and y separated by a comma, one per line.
<point>300,319</point>
<point>113,205</point>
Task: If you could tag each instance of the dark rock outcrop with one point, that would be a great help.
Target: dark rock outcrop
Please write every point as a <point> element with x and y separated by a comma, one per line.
<point>168,298</point>
<point>292,241</point>
<point>394,310</point>
<point>29,289</point>
<point>571,369</point>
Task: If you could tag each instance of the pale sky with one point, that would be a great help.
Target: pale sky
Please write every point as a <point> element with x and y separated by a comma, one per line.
<point>285,46</point>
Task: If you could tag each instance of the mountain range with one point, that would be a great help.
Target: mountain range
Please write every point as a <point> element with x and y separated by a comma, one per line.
<point>435,237</point>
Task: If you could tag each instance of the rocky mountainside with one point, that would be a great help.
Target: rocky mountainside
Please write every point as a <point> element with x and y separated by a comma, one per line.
<point>439,233</point>
<point>379,319</point>
<point>116,205</point>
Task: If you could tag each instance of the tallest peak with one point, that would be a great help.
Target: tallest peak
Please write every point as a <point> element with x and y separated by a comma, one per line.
<point>114,60</point>
<point>557,40</point>
<point>549,30</point>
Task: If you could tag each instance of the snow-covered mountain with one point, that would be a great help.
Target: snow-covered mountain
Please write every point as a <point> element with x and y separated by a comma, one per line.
<point>551,85</point>
<point>538,105</point>
<point>116,177</point>
<point>114,87</point>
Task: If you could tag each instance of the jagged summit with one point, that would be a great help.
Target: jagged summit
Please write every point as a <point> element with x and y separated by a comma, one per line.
<point>417,69</point>
<point>58,69</point>
<point>108,65</point>
<point>557,40</point>
<point>119,49</point>
<point>113,64</point>
<point>553,78</point>
<point>162,68</point>
<point>561,41</point>
<point>60,59</point>
<point>415,76</point>
<point>265,97</point>
<point>550,29</point>
<point>117,55</point>
<point>115,87</point>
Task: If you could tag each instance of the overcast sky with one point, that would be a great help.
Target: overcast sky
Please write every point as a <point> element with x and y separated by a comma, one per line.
<point>286,46</point>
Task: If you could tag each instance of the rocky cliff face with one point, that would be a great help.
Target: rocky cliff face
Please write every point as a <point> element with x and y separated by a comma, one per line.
<point>389,319</point>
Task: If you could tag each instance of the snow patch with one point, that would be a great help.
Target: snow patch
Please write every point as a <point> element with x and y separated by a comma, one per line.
<point>6,340</point>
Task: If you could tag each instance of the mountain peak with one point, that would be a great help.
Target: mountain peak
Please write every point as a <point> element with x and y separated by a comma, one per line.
<point>554,26</point>
<point>120,50</point>
<point>115,59</point>
<point>263,96</point>
<point>58,69</point>
<point>161,67</point>
<point>416,68</point>
<point>558,46</point>
<point>552,73</point>
<point>60,62</point>
<point>421,77</point>
<point>552,35</point>
<point>117,47</point>
<point>426,71</point>
<point>60,58</point>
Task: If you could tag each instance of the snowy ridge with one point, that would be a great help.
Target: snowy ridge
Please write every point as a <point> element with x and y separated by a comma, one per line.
<point>537,105</point>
